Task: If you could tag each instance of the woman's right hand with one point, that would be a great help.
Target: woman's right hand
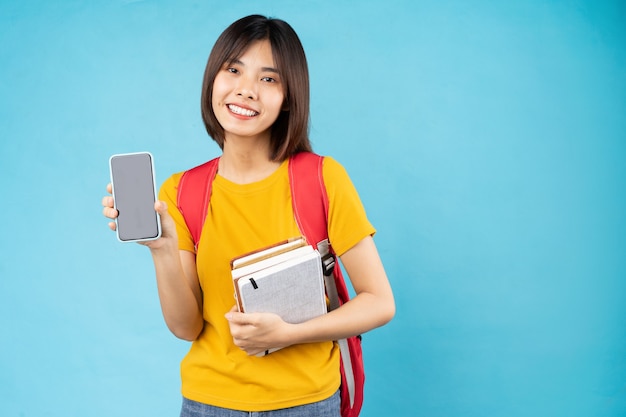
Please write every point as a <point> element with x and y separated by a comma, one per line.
<point>168,228</point>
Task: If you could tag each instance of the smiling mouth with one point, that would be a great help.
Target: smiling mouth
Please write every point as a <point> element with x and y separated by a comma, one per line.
<point>241,111</point>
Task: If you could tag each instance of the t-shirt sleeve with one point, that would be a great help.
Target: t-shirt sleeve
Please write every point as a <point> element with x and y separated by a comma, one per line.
<point>168,193</point>
<point>347,220</point>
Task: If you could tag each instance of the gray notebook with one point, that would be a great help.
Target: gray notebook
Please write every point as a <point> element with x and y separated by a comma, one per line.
<point>293,289</point>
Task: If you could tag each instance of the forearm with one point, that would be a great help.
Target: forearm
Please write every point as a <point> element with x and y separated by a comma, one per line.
<point>181,303</point>
<point>360,315</point>
<point>373,306</point>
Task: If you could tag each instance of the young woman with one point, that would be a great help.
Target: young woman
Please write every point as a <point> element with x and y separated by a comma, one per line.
<point>255,105</point>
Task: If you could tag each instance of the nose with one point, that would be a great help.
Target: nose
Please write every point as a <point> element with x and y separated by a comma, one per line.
<point>246,88</point>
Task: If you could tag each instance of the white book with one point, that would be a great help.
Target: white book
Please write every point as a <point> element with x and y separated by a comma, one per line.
<point>271,261</point>
<point>267,252</point>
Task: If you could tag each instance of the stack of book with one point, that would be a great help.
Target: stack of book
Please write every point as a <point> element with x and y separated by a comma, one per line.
<point>285,279</point>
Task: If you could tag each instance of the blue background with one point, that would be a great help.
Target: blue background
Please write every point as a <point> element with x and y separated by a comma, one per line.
<point>487,140</point>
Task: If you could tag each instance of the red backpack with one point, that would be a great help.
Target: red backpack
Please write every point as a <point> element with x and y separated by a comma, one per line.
<point>310,207</point>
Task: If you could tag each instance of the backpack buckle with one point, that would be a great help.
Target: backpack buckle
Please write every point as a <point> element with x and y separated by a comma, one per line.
<point>328,257</point>
<point>328,264</point>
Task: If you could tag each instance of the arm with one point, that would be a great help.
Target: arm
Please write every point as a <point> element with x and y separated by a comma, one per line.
<point>373,306</point>
<point>177,279</point>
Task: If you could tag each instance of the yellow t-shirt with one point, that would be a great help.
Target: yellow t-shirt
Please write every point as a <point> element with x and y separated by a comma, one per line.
<point>241,219</point>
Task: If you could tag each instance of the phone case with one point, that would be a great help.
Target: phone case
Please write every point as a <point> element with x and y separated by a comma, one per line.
<point>140,222</point>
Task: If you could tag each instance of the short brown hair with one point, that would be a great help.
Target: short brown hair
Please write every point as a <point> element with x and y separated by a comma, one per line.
<point>290,132</point>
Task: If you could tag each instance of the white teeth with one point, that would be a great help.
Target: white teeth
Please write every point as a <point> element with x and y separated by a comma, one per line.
<point>241,111</point>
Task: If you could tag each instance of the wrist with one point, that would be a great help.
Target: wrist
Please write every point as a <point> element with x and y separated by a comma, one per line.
<point>163,247</point>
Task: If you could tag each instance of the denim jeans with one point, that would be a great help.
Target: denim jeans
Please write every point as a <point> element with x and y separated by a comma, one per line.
<point>325,408</point>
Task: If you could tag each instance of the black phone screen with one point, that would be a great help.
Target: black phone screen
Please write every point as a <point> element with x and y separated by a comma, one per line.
<point>132,177</point>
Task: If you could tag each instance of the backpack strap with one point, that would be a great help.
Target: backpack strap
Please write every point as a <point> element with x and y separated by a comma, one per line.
<point>310,206</point>
<point>193,203</point>
<point>308,196</point>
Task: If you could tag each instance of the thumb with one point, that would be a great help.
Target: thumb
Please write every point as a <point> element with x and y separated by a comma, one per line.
<point>234,316</point>
<point>160,207</point>
<point>167,222</point>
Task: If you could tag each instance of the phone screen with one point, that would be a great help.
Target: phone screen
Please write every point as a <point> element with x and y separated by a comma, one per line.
<point>134,192</point>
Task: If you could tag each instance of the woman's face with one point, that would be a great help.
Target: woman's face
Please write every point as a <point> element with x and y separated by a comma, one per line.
<point>248,93</point>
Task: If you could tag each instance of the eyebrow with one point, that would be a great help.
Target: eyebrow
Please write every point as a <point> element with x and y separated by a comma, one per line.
<point>263,69</point>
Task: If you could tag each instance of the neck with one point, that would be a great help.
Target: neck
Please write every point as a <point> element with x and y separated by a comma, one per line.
<point>243,162</point>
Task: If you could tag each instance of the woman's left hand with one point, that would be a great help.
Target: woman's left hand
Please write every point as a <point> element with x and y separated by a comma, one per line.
<point>257,332</point>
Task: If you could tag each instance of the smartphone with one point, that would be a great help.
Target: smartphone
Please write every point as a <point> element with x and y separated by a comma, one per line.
<point>134,194</point>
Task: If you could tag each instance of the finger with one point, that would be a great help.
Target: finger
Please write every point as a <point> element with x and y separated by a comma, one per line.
<point>247,345</point>
<point>239,318</point>
<point>110,212</point>
<point>167,223</point>
<point>168,226</point>
<point>249,319</point>
<point>107,201</point>
<point>112,226</point>
<point>229,315</point>
<point>160,207</point>
<point>109,188</point>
